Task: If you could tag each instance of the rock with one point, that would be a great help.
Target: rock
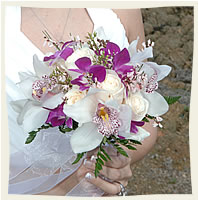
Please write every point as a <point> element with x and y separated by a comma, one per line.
<point>148,28</point>
<point>173,20</point>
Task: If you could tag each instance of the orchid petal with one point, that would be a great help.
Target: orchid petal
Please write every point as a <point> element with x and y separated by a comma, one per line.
<point>142,55</point>
<point>138,123</point>
<point>157,104</point>
<point>98,72</point>
<point>121,58</point>
<point>113,48</point>
<point>94,91</point>
<point>47,58</point>
<point>75,70</point>
<point>24,75</point>
<point>125,68</point>
<point>56,116</point>
<point>66,53</point>
<point>77,80</point>
<point>18,105</point>
<point>27,106</point>
<point>134,125</point>
<point>83,110</point>
<point>52,101</point>
<point>57,122</point>
<point>40,67</point>
<point>83,87</point>
<point>133,128</point>
<point>83,63</point>
<point>139,136</point>
<point>68,43</point>
<point>133,47</point>
<point>85,138</point>
<point>147,69</point>
<point>162,70</point>
<point>69,123</point>
<point>125,114</point>
<point>102,96</point>
<point>73,74</point>
<point>125,117</point>
<point>26,86</point>
<point>34,118</point>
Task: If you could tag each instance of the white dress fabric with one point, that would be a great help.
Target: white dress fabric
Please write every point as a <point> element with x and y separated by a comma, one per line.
<point>33,167</point>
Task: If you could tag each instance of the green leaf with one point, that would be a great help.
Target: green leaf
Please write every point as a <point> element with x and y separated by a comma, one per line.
<point>124,142</point>
<point>102,156</point>
<point>105,153</point>
<point>32,133</point>
<point>150,117</point>
<point>75,125</point>
<point>171,100</point>
<point>96,172</point>
<point>145,119</point>
<point>104,139</point>
<point>100,161</point>
<point>121,150</point>
<point>131,147</point>
<point>64,130</point>
<point>98,166</point>
<point>30,138</point>
<point>135,141</point>
<point>79,156</point>
<point>45,126</point>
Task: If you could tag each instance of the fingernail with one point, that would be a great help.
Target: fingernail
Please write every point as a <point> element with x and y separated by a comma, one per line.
<point>88,163</point>
<point>89,176</point>
<point>93,158</point>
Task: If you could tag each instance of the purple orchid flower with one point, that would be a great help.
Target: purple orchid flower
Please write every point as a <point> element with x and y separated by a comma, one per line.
<point>57,117</point>
<point>79,81</point>
<point>111,49</point>
<point>119,65</point>
<point>120,60</point>
<point>84,66</point>
<point>133,128</point>
<point>69,123</point>
<point>121,137</point>
<point>64,53</point>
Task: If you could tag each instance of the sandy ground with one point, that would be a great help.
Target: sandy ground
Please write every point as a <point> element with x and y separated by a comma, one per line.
<point>166,169</point>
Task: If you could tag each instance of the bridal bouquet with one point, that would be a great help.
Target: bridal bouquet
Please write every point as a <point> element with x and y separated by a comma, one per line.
<point>95,91</point>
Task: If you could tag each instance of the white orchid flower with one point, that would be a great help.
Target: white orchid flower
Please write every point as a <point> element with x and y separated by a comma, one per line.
<point>98,117</point>
<point>154,72</point>
<point>138,57</point>
<point>32,114</point>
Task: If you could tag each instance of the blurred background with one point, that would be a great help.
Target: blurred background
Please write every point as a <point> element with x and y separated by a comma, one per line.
<point>166,169</point>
